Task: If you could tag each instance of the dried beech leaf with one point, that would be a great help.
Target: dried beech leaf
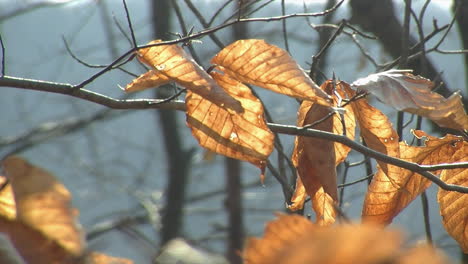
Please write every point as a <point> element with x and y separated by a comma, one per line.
<point>43,203</point>
<point>315,160</point>
<point>150,79</point>
<point>299,196</point>
<point>172,63</point>
<point>7,200</point>
<point>33,245</point>
<point>279,234</point>
<point>377,131</point>
<point>293,239</point>
<point>453,205</point>
<point>342,151</point>
<point>99,258</point>
<point>406,92</point>
<point>243,136</point>
<point>256,62</point>
<point>387,197</point>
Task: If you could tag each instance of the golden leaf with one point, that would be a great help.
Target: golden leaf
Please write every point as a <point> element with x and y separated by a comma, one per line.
<point>387,197</point>
<point>413,94</point>
<point>293,239</point>
<point>323,196</point>
<point>242,136</point>
<point>172,63</point>
<point>99,258</point>
<point>315,160</point>
<point>256,62</point>
<point>7,200</point>
<point>453,205</point>
<point>33,245</point>
<point>377,130</point>
<point>43,204</point>
<point>299,196</point>
<point>279,234</point>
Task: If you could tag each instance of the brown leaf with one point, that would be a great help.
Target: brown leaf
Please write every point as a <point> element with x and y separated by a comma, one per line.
<point>172,63</point>
<point>256,62</point>
<point>7,200</point>
<point>43,204</point>
<point>323,197</point>
<point>413,94</point>
<point>378,133</point>
<point>387,197</point>
<point>34,246</point>
<point>453,205</point>
<point>242,136</point>
<point>315,160</point>
<point>279,234</point>
<point>150,79</point>
<point>99,258</point>
<point>293,239</point>
<point>299,196</point>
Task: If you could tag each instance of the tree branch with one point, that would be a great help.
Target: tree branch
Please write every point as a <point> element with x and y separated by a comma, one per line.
<point>66,89</point>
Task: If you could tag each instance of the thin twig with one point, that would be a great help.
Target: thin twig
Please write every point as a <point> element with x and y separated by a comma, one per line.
<point>3,56</point>
<point>129,21</point>
<point>285,32</point>
<point>284,129</point>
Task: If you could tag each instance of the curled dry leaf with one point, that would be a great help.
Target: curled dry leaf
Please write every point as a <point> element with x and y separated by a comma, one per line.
<point>293,239</point>
<point>387,197</point>
<point>321,183</point>
<point>406,92</point>
<point>315,161</point>
<point>170,63</point>
<point>256,62</point>
<point>242,136</point>
<point>377,131</point>
<point>453,205</point>
<point>44,204</point>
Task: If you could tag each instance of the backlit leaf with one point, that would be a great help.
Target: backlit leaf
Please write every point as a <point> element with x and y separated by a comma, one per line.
<point>406,92</point>
<point>315,161</point>
<point>386,197</point>
<point>43,203</point>
<point>242,136</point>
<point>172,63</point>
<point>256,62</point>
<point>33,245</point>
<point>453,205</point>
<point>293,239</point>
<point>279,234</point>
<point>7,200</point>
<point>322,198</point>
<point>299,196</point>
<point>377,131</point>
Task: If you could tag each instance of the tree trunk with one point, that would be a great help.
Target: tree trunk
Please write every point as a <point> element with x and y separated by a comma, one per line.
<point>177,157</point>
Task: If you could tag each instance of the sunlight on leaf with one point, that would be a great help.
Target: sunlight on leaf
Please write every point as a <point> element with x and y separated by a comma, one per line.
<point>299,196</point>
<point>453,205</point>
<point>150,79</point>
<point>242,136</point>
<point>7,200</point>
<point>315,161</point>
<point>44,204</point>
<point>387,197</point>
<point>293,239</point>
<point>256,62</point>
<point>407,92</point>
<point>377,131</point>
<point>172,63</point>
